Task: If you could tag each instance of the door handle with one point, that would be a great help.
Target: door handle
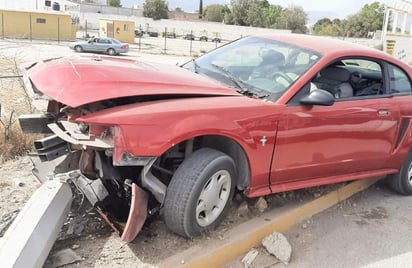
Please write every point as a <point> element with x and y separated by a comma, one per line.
<point>383,112</point>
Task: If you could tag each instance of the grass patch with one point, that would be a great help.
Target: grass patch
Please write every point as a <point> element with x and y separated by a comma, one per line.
<point>15,143</point>
<point>4,184</point>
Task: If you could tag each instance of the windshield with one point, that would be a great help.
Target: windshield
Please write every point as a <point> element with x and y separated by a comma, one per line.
<point>258,66</point>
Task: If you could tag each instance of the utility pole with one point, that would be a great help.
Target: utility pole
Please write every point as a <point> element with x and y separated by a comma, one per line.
<point>200,9</point>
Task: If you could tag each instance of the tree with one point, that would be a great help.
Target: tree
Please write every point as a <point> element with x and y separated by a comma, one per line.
<point>155,9</point>
<point>293,18</point>
<point>228,19</point>
<point>320,24</point>
<point>272,14</point>
<point>368,19</point>
<point>215,12</point>
<point>255,13</point>
<point>239,11</point>
<point>329,27</point>
<point>114,3</point>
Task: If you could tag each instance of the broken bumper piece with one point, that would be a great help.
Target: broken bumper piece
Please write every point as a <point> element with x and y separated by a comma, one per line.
<point>95,192</point>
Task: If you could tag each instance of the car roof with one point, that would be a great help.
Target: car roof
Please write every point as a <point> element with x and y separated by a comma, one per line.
<point>325,45</point>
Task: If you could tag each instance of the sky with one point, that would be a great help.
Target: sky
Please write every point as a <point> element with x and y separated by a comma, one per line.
<point>316,9</point>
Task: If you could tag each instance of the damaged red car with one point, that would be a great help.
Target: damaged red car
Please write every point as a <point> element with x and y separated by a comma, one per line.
<point>261,115</point>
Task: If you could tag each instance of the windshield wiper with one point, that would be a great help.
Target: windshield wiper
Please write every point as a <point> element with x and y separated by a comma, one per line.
<point>242,87</point>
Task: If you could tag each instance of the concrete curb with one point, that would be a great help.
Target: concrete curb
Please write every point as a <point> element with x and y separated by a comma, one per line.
<point>250,234</point>
<point>30,237</point>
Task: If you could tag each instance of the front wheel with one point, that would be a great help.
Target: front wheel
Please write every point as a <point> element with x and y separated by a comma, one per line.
<point>199,193</point>
<point>402,181</point>
<point>78,48</point>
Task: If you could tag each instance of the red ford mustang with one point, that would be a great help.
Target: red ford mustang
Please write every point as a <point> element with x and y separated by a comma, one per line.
<point>260,115</point>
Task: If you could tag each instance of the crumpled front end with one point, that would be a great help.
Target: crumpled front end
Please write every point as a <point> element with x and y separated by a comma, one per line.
<point>74,154</point>
<point>105,130</point>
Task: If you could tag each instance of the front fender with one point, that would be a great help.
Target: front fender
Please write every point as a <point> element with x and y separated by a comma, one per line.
<point>152,128</point>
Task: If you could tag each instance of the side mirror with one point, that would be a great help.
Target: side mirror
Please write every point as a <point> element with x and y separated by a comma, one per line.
<point>318,97</point>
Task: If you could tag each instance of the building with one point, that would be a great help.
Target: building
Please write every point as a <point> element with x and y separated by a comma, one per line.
<point>38,5</point>
<point>37,25</point>
<point>121,30</point>
<point>397,29</point>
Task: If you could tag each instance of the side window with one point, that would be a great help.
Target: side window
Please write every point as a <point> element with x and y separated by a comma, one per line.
<point>399,81</point>
<point>350,78</point>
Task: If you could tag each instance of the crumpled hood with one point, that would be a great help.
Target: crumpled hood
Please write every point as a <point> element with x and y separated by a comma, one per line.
<point>76,82</point>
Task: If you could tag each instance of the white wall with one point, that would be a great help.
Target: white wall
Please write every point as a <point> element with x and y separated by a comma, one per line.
<point>31,5</point>
<point>227,32</point>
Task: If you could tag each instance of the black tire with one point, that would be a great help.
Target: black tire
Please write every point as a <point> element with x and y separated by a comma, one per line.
<point>402,181</point>
<point>111,52</point>
<point>78,48</point>
<point>190,184</point>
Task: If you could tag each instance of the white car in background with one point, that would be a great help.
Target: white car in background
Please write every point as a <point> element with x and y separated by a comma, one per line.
<point>110,46</point>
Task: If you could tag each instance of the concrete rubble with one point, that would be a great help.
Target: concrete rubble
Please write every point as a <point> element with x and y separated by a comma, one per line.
<point>261,205</point>
<point>278,245</point>
<point>243,209</point>
<point>63,257</point>
<point>250,257</point>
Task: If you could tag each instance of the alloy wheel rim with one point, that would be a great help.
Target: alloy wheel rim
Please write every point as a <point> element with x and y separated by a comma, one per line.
<point>213,198</point>
<point>410,174</point>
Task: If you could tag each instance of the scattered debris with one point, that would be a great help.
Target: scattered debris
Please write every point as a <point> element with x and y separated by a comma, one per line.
<point>239,197</point>
<point>18,183</point>
<point>6,220</point>
<point>250,257</point>
<point>64,257</point>
<point>278,245</point>
<point>306,224</point>
<point>261,204</point>
<point>243,209</point>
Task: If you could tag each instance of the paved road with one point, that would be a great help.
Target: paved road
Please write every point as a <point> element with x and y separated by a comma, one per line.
<point>372,228</point>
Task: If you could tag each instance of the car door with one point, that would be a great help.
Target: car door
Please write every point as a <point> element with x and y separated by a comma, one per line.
<point>101,45</point>
<point>401,90</point>
<point>355,134</point>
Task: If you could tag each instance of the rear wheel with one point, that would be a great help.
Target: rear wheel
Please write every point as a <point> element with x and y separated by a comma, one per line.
<point>402,181</point>
<point>78,48</point>
<point>199,193</point>
<point>111,52</point>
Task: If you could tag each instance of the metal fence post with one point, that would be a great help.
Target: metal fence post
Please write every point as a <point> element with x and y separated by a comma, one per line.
<point>58,30</point>
<point>2,24</point>
<point>165,38</point>
<point>191,36</point>
<point>85,29</point>
<point>140,37</point>
<point>31,30</point>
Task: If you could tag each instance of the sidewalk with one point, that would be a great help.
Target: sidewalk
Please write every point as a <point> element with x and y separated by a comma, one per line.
<point>371,229</point>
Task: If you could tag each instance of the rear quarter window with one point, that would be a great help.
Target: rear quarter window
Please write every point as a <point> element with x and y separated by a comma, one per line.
<point>399,81</point>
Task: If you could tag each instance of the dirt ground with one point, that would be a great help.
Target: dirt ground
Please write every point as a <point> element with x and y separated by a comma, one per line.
<point>96,245</point>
